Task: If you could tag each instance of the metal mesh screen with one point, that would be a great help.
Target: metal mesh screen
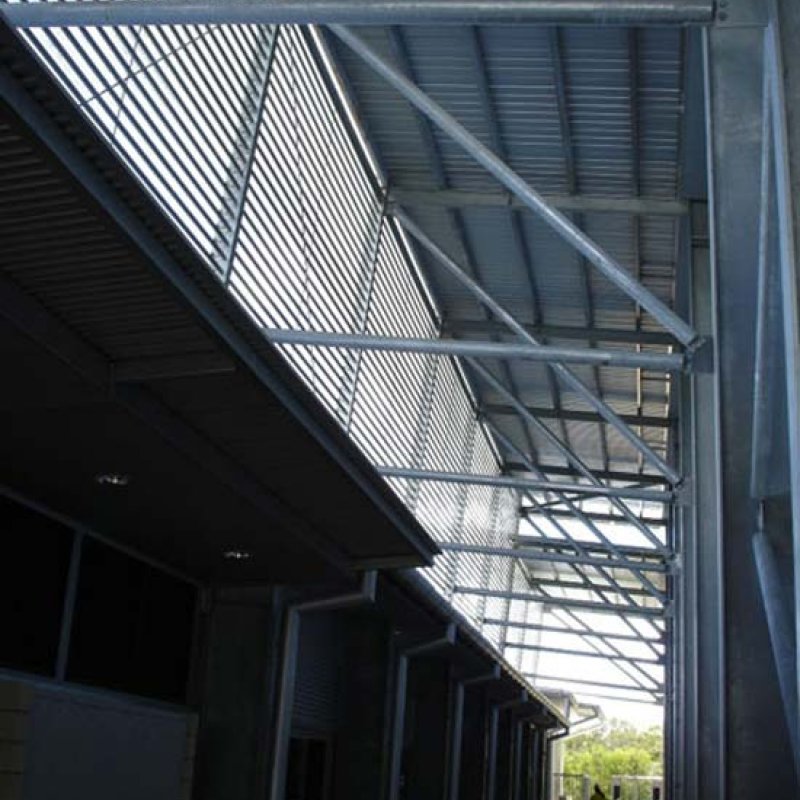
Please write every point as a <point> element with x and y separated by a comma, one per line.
<point>239,136</point>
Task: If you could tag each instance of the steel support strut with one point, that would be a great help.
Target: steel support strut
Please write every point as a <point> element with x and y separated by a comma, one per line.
<point>505,482</point>
<point>566,602</point>
<point>666,362</point>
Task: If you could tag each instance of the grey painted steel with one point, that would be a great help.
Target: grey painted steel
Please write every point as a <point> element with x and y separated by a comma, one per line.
<point>399,712</point>
<point>777,607</point>
<point>291,638</point>
<point>782,68</point>
<point>464,198</point>
<point>566,602</point>
<point>494,724</point>
<point>531,626</point>
<point>357,12</point>
<point>601,684</point>
<point>555,558</point>
<point>634,420</point>
<point>591,333</point>
<point>514,183</point>
<point>595,516</point>
<point>650,495</point>
<point>70,596</point>
<point>640,478</point>
<point>457,728</point>
<point>561,370</point>
<point>252,149</point>
<point>564,545</point>
<point>666,362</point>
<point>567,651</point>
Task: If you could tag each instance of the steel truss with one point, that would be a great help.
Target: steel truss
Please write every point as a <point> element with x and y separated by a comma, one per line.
<point>679,336</point>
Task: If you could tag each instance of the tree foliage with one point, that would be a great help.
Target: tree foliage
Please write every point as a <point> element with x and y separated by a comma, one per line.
<point>616,749</point>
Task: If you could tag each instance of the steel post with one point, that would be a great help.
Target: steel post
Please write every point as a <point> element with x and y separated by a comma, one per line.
<point>399,712</point>
<point>457,728</point>
<point>289,652</point>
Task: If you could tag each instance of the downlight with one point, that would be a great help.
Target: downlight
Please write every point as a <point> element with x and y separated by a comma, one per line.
<point>116,479</point>
<point>237,555</point>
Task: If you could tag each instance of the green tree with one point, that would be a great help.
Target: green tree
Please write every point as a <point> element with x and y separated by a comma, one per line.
<point>616,749</point>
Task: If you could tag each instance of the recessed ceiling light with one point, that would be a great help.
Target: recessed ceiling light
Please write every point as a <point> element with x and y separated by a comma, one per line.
<point>237,555</point>
<point>112,479</point>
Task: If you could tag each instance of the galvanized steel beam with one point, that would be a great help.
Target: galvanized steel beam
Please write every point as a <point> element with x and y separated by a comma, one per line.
<point>619,551</point>
<point>602,684</point>
<point>460,326</point>
<point>464,198</point>
<point>595,516</point>
<point>566,602</point>
<point>568,651</point>
<point>506,482</point>
<point>531,626</point>
<point>528,553</point>
<point>667,362</point>
<point>358,12</point>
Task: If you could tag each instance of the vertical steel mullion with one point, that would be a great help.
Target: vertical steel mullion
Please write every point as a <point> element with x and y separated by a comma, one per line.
<point>249,136</point>
<point>782,67</point>
<point>467,453</point>
<point>419,449</point>
<point>68,612</point>
<point>369,278</point>
<point>487,560</point>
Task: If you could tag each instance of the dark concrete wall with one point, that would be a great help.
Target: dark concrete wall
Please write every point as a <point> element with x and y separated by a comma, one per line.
<point>234,732</point>
<point>473,745</point>
<point>427,718</point>
<point>358,746</point>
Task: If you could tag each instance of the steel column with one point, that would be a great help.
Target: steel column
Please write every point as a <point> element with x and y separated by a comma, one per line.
<point>494,724</point>
<point>457,727</point>
<point>782,68</point>
<point>399,712</point>
<point>289,651</point>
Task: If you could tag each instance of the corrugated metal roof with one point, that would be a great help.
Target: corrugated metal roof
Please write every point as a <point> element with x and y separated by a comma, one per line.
<point>589,111</point>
